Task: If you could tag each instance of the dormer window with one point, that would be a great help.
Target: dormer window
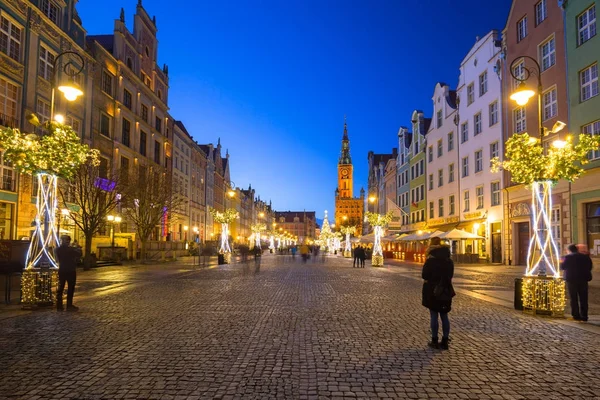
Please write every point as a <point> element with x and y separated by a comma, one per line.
<point>51,10</point>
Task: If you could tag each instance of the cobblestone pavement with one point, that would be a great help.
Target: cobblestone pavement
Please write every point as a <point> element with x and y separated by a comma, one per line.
<point>288,330</point>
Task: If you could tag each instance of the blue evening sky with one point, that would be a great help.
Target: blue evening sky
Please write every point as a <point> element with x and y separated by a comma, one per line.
<point>274,79</point>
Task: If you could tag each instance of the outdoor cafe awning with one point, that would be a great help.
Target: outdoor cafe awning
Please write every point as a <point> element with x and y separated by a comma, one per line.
<point>423,236</point>
<point>457,234</point>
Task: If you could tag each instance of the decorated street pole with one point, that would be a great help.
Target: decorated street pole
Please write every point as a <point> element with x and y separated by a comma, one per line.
<point>58,153</point>
<point>271,241</point>
<point>378,221</point>
<point>256,230</point>
<point>348,230</point>
<point>224,218</point>
<point>543,289</point>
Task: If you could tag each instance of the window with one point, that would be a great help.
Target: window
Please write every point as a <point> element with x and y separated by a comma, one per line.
<point>479,161</point>
<point>8,101</point>
<point>127,98</point>
<point>550,104</point>
<point>495,189</point>
<point>493,113</point>
<point>592,129</point>
<point>103,167</point>
<point>124,165</point>
<point>521,29</point>
<point>74,123</point>
<point>555,225</point>
<point>43,110</point>
<point>451,205</point>
<point>451,141</point>
<point>464,132</point>
<point>10,39</point>
<point>465,166</point>
<point>548,54</point>
<point>439,119</point>
<point>430,153</point>
<point>483,84</point>
<point>440,148</point>
<point>540,12</point>
<point>126,132</point>
<point>494,150</point>
<point>440,177</point>
<point>431,210</point>
<point>589,82</point>
<point>416,147</point>
<point>430,181</point>
<point>412,172</point>
<point>519,72</point>
<point>143,143</point>
<point>477,123</point>
<point>144,113</point>
<point>440,208</point>
<point>157,152</point>
<point>519,122</point>
<point>470,94</point>
<point>451,173</point>
<point>466,200</point>
<point>105,125</point>
<point>422,169</point>
<point>7,175</point>
<point>107,80</point>
<point>586,25</point>
<point>158,124</point>
<point>129,63</point>
<point>46,67</point>
<point>479,194</point>
<point>51,10</point>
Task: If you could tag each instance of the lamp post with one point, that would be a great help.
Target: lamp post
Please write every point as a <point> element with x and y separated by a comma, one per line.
<point>196,232</point>
<point>69,89</point>
<point>185,231</point>
<point>113,220</point>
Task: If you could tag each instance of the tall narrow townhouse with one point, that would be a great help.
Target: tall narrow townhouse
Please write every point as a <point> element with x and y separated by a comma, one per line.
<point>391,192</point>
<point>442,162</point>
<point>182,157</point>
<point>583,57</point>
<point>129,109</point>
<point>198,164</point>
<point>418,201</point>
<point>376,183</point>
<point>403,168</point>
<point>34,35</point>
<point>479,90</point>
<point>209,179</point>
<point>535,29</point>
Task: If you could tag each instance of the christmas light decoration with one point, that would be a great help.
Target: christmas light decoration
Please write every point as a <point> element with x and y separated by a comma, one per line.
<point>224,218</point>
<point>326,235</point>
<point>348,230</point>
<point>543,289</point>
<point>257,229</point>
<point>377,221</point>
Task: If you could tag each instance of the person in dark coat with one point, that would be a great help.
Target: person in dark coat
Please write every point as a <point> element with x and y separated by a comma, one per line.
<point>356,263</point>
<point>438,266</point>
<point>578,272</point>
<point>362,256</point>
<point>67,257</point>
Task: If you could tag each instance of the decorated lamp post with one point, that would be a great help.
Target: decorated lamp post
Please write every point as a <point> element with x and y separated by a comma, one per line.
<point>256,230</point>
<point>224,218</point>
<point>57,153</point>
<point>378,222</point>
<point>348,230</point>
<point>543,289</point>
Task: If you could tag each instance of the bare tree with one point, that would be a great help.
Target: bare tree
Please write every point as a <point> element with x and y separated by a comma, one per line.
<point>93,197</point>
<point>148,196</point>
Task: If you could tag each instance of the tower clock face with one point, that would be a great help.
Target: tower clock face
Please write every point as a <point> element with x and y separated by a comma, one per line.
<point>344,172</point>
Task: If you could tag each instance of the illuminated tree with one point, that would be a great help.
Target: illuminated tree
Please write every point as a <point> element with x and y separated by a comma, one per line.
<point>348,230</point>
<point>224,218</point>
<point>378,222</point>
<point>256,230</point>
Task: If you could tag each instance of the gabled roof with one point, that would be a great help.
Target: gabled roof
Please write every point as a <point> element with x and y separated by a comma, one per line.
<point>407,139</point>
<point>451,99</point>
<point>106,41</point>
<point>426,125</point>
<point>182,127</point>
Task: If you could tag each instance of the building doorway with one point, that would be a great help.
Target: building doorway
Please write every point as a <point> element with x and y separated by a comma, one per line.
<point>522,242</point>
<point>496,243</point>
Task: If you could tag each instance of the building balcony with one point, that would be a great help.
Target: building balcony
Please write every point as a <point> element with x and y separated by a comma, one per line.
<point>9,122</point>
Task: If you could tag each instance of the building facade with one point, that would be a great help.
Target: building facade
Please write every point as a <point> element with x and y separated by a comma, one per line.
<point>403,171</point>
<point>300,224</point>
<point>535,29</point>
<point>583,57</point>
<point>418,200</point>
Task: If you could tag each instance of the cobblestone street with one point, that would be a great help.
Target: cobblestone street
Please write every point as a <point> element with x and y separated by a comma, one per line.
<point>287,330</point>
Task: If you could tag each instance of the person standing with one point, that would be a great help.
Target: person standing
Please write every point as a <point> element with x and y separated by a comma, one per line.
<point>356,253</point>
<point>438,269</point>
<point>67,257</point>
<point>362,256</point>
<point>578,272</point>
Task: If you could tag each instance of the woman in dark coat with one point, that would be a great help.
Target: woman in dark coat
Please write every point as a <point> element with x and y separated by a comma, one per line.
<point>438,266</point>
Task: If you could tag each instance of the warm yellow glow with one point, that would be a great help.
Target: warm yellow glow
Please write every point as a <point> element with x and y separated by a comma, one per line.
<point>117,219</point>
<point>110,218</point>
<point>231,193</point>
<point>262,215</point>
<point>344,217</point>
<point>522,95</point>
<point>185,228</point>
<point>559,144</point>
<point>59,118</point>
<point>532,140</point>
<point>419,232</point>
<point>70,92</point>
<point>372,199</point>
<point>64,212</point>
<point>476,226</point>
<point>196,230</point>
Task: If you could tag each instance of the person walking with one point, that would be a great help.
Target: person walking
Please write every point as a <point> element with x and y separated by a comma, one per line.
<point>356,253</point>
<point>67,257</point>
<point>578,272</point>
<point>437,293</point>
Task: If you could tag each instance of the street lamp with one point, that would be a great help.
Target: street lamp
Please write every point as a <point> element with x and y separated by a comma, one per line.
<point>185,230</point>
<point>196,232</point>
<point>70,90</point>
<point>113,220</point>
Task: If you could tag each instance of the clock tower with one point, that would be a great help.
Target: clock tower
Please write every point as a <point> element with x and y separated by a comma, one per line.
<point>345,181</point>
<point>348,210</point>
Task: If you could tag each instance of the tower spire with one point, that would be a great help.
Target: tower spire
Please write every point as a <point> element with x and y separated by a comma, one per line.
<point>345,154</point>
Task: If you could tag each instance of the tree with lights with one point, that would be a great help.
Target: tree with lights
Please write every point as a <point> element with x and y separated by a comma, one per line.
<point>378,222</point>
<point>224,218</point>
<point>256,230</point>
<point>528,164</point>
<point>326,235</point>
<point>348,230</point>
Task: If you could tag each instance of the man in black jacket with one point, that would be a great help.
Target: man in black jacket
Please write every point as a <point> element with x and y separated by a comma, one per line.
<point>578,272</point>
<point>67,257</point>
